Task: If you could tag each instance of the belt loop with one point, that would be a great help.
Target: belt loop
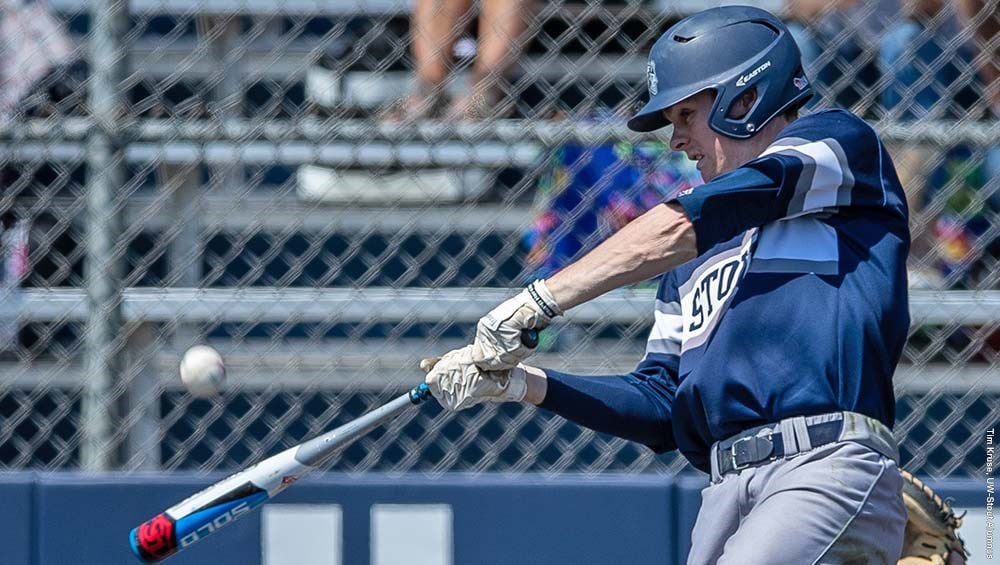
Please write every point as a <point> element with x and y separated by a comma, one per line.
<point>714,456</point>
<point>801,433</point>
<point>871,433</point>
<point>788,437</point>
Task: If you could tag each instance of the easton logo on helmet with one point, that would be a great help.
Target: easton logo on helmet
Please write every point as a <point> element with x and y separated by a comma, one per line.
<point>651,77</point>
<point>746,78</point>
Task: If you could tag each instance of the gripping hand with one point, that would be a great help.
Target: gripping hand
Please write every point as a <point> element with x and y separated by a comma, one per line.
<point>498,344</point>
<point>457,383</point>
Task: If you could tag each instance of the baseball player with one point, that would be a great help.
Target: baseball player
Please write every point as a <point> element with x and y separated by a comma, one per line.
<point>780,316</point>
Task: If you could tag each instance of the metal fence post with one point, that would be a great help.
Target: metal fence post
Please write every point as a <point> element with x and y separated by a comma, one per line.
<point>185,251</point>
<point>106,173</point>
<point>143,396</point>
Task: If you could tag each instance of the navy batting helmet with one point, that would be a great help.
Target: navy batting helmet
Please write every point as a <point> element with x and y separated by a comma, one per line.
<point>731,50</point>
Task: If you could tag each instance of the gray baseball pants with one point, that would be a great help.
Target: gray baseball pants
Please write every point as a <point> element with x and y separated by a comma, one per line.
<point>838,503</point>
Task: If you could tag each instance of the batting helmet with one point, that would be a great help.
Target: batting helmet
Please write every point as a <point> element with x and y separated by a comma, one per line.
<point>730,49</point>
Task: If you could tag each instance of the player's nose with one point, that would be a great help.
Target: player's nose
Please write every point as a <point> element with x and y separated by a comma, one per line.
<point>678,140</point>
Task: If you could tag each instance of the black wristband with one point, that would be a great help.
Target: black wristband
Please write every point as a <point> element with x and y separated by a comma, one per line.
<point>541,301</point>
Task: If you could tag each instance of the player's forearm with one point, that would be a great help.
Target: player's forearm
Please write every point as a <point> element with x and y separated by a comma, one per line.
<point>650,245</point>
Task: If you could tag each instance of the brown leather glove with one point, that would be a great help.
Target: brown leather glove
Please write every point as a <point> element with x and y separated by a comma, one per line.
<point>931,534</point>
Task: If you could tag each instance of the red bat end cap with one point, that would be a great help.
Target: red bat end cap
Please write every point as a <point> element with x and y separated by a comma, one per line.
<point>154,540</point>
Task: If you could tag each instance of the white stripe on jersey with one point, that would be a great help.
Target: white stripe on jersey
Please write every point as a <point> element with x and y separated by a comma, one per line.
<point>799,245</point>
<point>828,176</point>
<point>668,327</point>
<point>668,307</point>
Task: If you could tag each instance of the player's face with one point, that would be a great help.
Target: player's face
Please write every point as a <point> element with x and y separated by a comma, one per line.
<point>714,152</point>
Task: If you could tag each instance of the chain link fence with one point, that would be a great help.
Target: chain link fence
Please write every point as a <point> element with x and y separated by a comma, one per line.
<point>327,191</point>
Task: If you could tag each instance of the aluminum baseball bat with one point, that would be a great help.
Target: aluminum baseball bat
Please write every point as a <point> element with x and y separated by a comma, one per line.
<point>209,510</point>
<point>205,512</point>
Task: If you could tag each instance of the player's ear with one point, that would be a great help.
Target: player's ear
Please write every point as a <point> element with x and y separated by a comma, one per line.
<point>742,104</point>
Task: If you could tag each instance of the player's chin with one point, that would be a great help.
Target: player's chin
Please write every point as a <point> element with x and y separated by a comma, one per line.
<point>708,172</point>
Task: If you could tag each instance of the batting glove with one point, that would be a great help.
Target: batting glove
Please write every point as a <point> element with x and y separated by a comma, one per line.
<point>457,383</point>
<point>498,334</point>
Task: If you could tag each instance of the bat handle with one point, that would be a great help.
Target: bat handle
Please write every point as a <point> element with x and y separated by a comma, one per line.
<point>419,393</point>
<point>529,338</point>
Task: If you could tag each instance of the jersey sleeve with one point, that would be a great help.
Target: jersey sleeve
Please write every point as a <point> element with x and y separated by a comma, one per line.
<point>636,406</point>
<point>822,163</point>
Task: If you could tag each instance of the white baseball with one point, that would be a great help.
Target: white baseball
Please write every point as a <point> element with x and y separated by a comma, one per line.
<point>202,371</point>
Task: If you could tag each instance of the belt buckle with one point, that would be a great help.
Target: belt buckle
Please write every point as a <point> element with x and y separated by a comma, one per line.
<point>732,451</point>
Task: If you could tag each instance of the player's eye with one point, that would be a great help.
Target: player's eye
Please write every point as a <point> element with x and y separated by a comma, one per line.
<point>686,115</point>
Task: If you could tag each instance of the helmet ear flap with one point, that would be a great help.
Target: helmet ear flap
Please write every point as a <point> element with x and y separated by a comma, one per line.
<point>750,117</point>
<point>743,104</point>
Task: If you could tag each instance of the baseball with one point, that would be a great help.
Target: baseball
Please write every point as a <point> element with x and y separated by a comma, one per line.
<point>202,371</point>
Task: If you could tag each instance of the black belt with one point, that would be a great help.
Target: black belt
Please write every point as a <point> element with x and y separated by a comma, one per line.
<point>750,450</point>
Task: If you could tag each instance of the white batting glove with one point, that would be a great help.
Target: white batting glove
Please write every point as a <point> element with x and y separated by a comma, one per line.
<point>457,383</point>
<point>498,334</point>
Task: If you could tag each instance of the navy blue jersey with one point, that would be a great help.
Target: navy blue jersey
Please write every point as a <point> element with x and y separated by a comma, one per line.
<point>795,305</point>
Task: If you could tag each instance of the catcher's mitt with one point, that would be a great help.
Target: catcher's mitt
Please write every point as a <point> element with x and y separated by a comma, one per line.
<point>931,535</point>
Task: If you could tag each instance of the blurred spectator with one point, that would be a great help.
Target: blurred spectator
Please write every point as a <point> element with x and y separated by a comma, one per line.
<point>927,65</point>
<point>966,245</point>
<point>587,193</point>
<point>983,16</point>
<point>13,267</point>
<point>930,74</point>
<point>435,28</point>
<point>32,42</point>
<point>837,39</point>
